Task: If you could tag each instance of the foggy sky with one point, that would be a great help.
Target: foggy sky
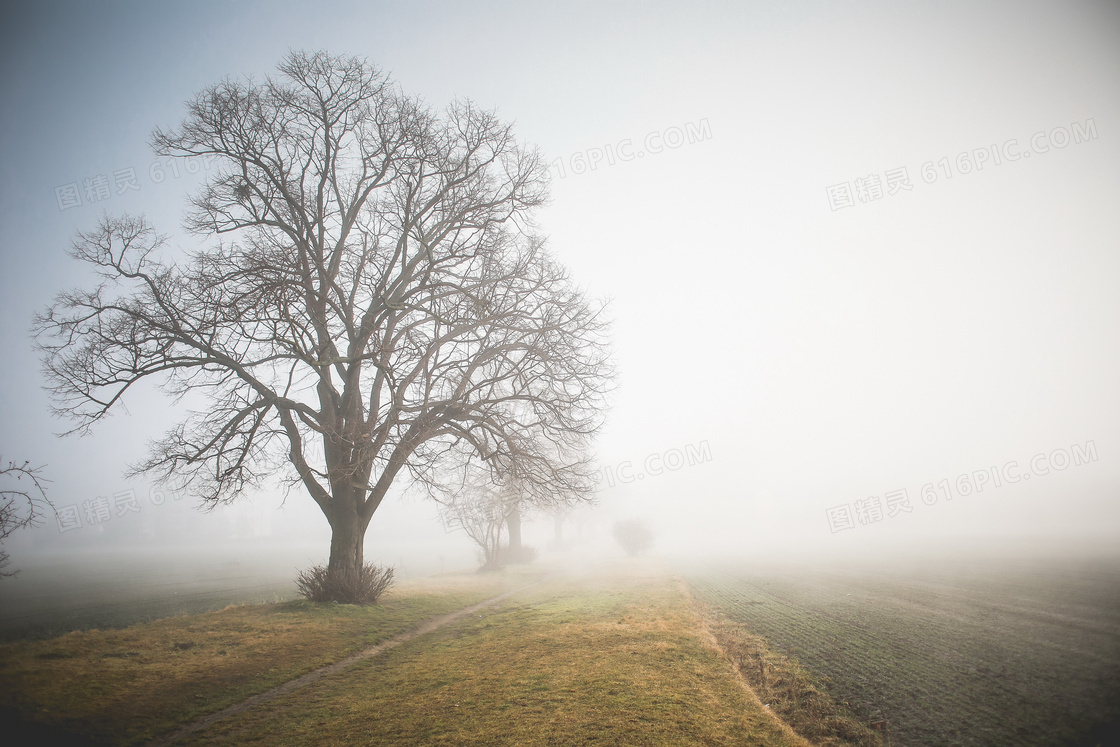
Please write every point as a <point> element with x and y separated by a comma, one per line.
<point>808,347</point>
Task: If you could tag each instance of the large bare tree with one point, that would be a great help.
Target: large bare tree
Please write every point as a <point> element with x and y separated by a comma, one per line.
<point>373,301</point>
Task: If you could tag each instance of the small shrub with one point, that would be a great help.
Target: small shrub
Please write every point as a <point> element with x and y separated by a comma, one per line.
<point>363,586</point>
<point>634,536</point>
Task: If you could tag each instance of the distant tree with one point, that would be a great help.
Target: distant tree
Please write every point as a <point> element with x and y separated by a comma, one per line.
<point>23,501</point>
<point>520,505</point>
<point>559,514</point>
<point>634,536</point>
<point>375,286</point>
<point>481,514</point>
<point>513,529</point>
<point>482,509</point>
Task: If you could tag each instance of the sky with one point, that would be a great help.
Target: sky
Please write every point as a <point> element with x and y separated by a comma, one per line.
<point>863,259</point>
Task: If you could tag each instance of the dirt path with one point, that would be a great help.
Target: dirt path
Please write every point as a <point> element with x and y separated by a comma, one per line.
<point>426,627</point>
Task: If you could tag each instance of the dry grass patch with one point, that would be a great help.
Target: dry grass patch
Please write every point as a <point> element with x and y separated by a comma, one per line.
<point>612,660</point>
<point>125,686</point>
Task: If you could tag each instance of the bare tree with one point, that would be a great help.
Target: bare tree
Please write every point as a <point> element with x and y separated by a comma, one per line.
<point>373,283</point>
<point>559,514</point>
<point>482,511</point>
<point>21,505</point>
<point>484,504</point>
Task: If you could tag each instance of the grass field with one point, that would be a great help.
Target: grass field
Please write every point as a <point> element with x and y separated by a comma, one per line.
<point>615,657</point>
<point>951,653</point>
<point>124,686</point>
<point>629,654</point>
<point>608,660</point>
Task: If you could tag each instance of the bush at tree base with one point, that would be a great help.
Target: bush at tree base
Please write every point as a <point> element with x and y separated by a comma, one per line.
<point>363,586</point>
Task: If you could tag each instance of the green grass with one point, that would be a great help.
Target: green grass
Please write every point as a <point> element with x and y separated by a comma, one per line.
<point>949,655</point>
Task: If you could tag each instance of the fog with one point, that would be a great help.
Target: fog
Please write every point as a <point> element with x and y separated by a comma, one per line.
<point>863,266</point>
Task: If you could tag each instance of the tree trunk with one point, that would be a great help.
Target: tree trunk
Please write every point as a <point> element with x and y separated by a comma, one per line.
<point>347,542</point>
<point>513,522</point>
